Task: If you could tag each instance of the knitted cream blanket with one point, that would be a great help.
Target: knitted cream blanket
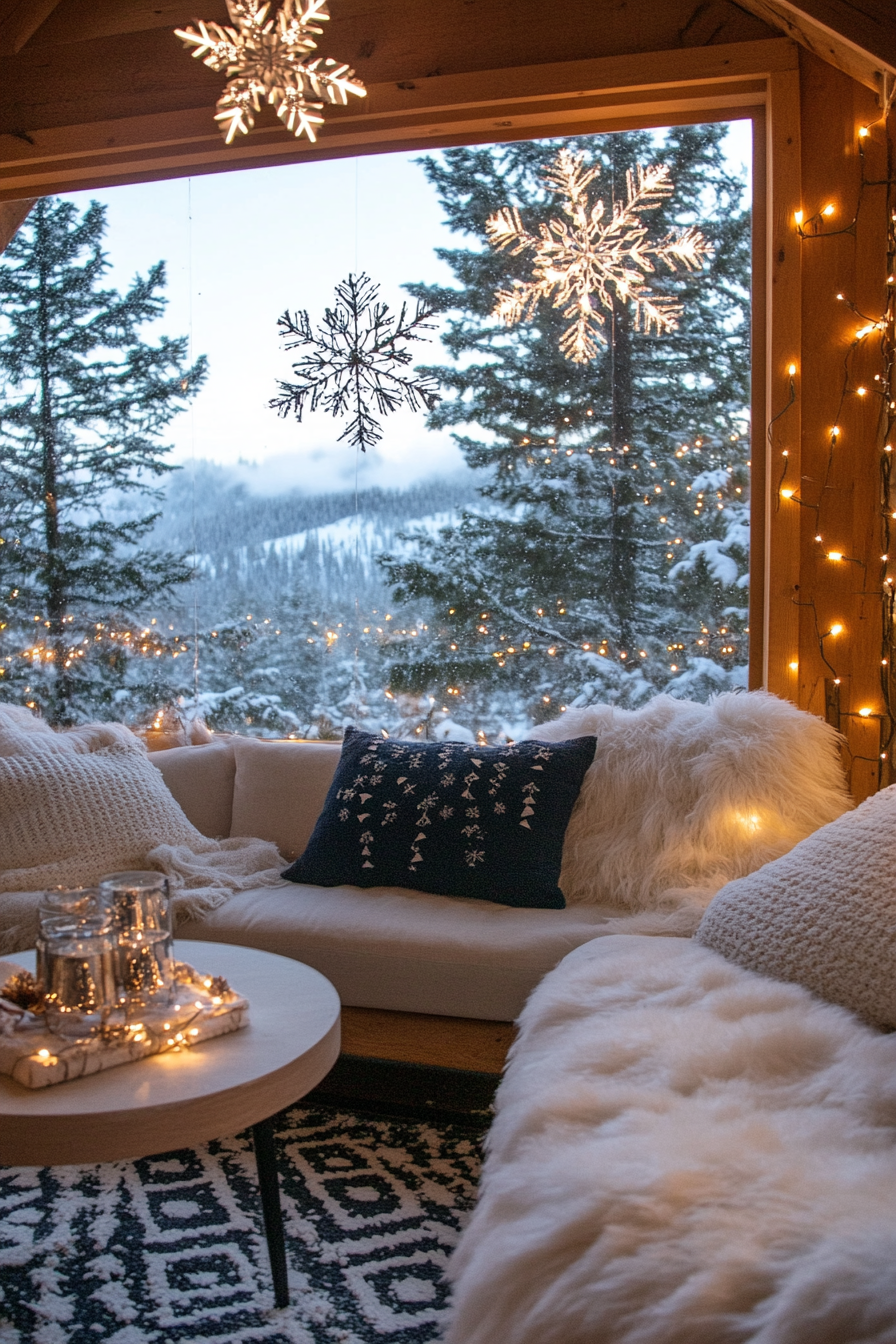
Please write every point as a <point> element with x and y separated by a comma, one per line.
<point>77,805</point>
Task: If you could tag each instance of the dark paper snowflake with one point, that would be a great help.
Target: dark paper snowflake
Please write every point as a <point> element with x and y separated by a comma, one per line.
<point>353,361</point>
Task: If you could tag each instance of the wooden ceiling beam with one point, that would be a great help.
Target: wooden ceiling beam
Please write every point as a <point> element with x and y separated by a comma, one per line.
<point>859,40</point>
<point>20,21</point>
<point>84,20</point>
<point>571,97</point>
<point>108,59</point>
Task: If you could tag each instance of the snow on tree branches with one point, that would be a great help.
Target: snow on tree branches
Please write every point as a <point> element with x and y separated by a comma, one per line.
<point>84,403</point>
<point>353,360</point>
<point>590,258</point>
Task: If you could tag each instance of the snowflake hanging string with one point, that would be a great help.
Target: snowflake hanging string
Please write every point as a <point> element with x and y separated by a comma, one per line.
<point>353,360</point>
<point>269,60</point>
<point>591,258</point>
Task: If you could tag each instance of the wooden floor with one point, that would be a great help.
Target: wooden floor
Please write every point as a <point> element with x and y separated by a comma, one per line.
<point>421,1038</point>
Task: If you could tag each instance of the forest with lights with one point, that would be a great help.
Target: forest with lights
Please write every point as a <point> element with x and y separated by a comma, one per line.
<point>596,550</point>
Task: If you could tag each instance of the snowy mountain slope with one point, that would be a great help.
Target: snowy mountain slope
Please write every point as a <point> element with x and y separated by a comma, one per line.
<point>244,549</point>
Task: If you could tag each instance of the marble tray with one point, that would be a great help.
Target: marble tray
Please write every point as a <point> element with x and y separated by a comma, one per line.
<point>201,1007</point>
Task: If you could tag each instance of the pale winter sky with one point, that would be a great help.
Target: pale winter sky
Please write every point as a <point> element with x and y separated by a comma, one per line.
<point>240,248</point>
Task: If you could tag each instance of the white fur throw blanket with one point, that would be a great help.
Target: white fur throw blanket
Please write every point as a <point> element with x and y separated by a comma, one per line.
<point>683,797</point>
<point>79,804</point>
<point>684,1152</point>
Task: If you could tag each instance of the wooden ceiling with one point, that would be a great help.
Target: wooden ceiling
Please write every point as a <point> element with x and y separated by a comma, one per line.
<point>100,91</point>
<point>859,39</point>
<point>78,61</point>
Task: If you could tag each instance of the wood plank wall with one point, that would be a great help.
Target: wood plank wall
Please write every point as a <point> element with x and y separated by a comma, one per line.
<point>840,485</point>
<point>12,215</point>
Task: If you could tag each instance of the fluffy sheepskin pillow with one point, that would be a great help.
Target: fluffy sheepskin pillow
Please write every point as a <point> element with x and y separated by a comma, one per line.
<point>68,816</point>
<point>687,795</point>
<point>823,916</point>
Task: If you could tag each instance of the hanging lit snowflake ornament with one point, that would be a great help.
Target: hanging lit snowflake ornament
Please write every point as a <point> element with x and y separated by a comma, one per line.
<point>269,60</point>
<point>353,363</point>
<point>583,261</point>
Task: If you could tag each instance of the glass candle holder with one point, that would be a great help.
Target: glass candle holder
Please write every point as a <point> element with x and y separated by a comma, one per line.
<point>62,907</point>
<point>79,970</point>
<point>50,928</point>
<point>57,902</point>
<point>140,911</point>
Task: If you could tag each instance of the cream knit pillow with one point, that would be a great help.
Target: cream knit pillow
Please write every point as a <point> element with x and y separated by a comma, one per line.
<point>68,818</point>
<point>824,915</point>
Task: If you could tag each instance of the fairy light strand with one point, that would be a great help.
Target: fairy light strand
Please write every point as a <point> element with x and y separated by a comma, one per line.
<point>813,229</point>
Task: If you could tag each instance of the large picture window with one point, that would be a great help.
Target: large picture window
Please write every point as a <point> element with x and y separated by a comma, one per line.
<point>568,523</point>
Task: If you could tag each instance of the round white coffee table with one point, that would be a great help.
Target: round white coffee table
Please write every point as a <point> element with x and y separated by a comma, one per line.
<point>177,1100</point>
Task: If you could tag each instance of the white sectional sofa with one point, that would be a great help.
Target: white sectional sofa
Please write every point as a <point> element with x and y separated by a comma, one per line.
<point>686,1147</point>
<point>383,948</point>
<point>680,798</point>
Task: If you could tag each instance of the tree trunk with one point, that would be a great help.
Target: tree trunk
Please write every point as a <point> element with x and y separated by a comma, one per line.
<point>56,597</point>
<point>623,546</point>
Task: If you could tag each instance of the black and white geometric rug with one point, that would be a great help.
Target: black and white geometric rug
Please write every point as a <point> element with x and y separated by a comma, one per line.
<point>171,1250</point>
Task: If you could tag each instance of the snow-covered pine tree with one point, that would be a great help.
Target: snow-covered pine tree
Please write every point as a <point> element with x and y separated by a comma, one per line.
<point>295,674</point>
<point>84,402</point>
<point>608,558</point>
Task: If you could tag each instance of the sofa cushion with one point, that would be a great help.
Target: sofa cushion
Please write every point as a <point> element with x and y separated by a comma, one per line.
<point>406,950</point>
<point>824,915</point>
<point>19,924</point>
<point>449,817</point>
<point>280,788</point>
<point>201,779</point>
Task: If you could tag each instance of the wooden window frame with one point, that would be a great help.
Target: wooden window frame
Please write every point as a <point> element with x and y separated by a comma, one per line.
<point>758,81</point>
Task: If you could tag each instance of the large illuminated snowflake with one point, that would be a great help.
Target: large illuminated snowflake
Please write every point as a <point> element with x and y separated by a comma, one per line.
<point>583,261</point>
<point>269,60</point>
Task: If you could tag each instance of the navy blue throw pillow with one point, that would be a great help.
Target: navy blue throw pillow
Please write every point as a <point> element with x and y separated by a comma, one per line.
<point>449,818</point>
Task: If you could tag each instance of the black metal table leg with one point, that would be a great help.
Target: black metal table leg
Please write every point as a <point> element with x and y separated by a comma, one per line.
<point>268,1184</point>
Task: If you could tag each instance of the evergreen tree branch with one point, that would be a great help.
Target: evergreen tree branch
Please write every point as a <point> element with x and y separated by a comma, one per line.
<point>85,401</point>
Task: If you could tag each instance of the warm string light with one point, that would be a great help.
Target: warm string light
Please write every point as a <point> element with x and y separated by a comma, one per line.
<point>146,642</point>
<point>880,326</point>
<point>812,227</point>
<point>152,641</point>
<point>720,645</point>
<point>784,492</point>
